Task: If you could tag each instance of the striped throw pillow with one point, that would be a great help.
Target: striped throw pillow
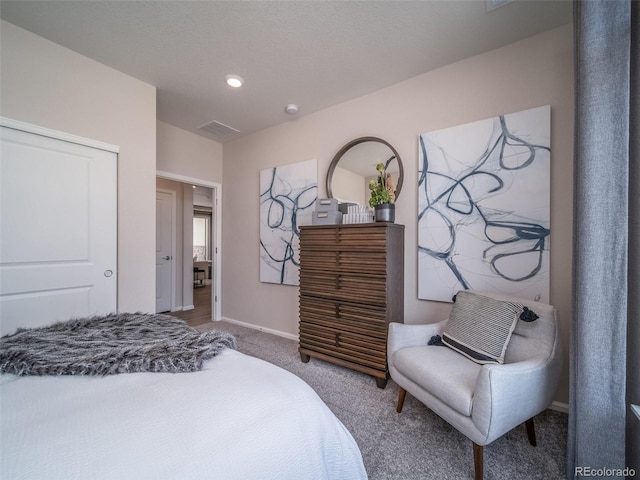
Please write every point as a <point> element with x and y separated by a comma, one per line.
<point>480,327</point>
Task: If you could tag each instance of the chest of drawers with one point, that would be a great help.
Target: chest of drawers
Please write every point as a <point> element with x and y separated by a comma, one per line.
<point>351,287</point>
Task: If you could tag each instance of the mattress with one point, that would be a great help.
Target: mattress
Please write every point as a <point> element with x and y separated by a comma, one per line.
<point>238,418</point>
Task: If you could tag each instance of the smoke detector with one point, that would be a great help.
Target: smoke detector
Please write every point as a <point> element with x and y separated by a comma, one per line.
<point>291,109</point>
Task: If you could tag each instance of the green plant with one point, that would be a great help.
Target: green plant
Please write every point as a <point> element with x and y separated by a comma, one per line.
<point>382,190</point>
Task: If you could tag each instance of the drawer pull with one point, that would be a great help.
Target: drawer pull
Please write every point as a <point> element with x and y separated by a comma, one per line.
<point>337,310</point>
<point>337,339</point>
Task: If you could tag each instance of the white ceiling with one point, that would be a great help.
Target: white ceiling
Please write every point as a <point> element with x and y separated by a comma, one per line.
<point>314,53</point>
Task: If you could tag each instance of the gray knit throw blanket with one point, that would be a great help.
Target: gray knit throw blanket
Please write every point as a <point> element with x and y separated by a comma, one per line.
<point>117,343</point>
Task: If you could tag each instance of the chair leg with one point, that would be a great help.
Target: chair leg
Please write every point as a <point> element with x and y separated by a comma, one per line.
<point>478,450</point>
<point>478,463</point>
<point>531,432</point>
<point>401,394</point>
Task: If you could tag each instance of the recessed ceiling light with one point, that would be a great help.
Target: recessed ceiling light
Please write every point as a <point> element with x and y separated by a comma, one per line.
<point>234,81</point>
<point>291,109</point>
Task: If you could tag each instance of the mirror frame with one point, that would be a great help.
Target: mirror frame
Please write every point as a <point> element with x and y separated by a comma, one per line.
<point>353,143</point>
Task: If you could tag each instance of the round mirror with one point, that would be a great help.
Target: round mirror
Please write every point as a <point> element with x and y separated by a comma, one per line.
<point>354,166</point>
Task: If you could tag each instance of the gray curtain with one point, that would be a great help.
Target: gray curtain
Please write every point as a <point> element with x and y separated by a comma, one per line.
<point>605,329</point>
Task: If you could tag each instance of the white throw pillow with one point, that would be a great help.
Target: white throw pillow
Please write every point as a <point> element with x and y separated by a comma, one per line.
<point>480,327</point>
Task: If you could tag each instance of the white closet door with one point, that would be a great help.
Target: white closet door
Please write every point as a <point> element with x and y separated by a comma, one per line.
<point>58,233</point>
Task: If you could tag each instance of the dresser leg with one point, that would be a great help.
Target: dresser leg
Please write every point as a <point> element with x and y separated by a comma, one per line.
<point>304,357</point>
<point>381,382</point>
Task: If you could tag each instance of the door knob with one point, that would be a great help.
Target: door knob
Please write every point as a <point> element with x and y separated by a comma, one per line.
<point>167,257</point>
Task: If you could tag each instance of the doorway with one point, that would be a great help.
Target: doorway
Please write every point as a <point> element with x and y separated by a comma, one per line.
<point>197,277</point>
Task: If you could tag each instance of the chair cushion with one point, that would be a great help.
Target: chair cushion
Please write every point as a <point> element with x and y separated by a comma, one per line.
<point>443,373</point>
<point>480,327</point>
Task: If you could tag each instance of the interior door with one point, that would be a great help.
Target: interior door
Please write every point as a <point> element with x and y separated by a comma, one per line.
<point>164,249</point>
<point>58,230</point>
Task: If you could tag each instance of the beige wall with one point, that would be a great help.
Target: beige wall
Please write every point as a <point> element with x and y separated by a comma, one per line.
<point>189,155</point>
<point>533,72</point>
<point>47,85</point>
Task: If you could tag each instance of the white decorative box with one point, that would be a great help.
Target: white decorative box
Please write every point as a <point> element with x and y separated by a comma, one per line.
<point>358,214</point>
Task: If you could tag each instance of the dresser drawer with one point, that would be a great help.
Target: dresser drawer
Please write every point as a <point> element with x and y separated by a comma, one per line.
<point>370,290</point>
<point>366,238</point>
<point>353,347</point>
<point>341,261</point>
<point>362,319</point>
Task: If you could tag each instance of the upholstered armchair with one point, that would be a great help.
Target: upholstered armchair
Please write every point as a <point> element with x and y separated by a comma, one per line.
<point>483,401</point>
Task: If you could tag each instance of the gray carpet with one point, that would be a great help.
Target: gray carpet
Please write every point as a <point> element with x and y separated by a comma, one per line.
<point>415,444</point>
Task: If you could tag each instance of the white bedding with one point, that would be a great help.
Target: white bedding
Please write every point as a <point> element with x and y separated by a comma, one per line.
<point>239,418</point>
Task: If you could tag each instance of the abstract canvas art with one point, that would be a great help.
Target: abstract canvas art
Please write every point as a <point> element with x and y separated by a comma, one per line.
<point>484,207</point>
<point>287,199</point>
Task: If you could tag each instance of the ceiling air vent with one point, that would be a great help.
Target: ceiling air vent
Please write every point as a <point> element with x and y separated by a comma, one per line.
<point>493,4</point>
<point>220,130</point>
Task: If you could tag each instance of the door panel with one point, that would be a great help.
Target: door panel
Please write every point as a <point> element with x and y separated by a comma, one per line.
<point>57,230</point>
<point>51,237</point>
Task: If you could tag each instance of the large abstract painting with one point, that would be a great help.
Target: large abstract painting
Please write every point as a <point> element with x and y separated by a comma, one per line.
<point>483,207</point>
<point>287,199</point>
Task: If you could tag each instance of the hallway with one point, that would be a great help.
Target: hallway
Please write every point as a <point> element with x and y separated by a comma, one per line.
<point>201,314</point>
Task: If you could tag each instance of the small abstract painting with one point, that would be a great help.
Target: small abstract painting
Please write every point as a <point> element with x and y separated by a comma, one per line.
<point>484,207</point>
<point>287,200</point>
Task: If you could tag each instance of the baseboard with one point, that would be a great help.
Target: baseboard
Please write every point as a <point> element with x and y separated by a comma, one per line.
<point>182,309</point>
<point>559,407</point>
<point>262,329</point>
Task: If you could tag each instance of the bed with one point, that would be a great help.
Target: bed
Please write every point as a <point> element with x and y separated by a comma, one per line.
<point>237,418</point>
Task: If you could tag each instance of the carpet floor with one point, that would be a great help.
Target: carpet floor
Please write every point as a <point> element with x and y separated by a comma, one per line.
<point>415,444</point>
